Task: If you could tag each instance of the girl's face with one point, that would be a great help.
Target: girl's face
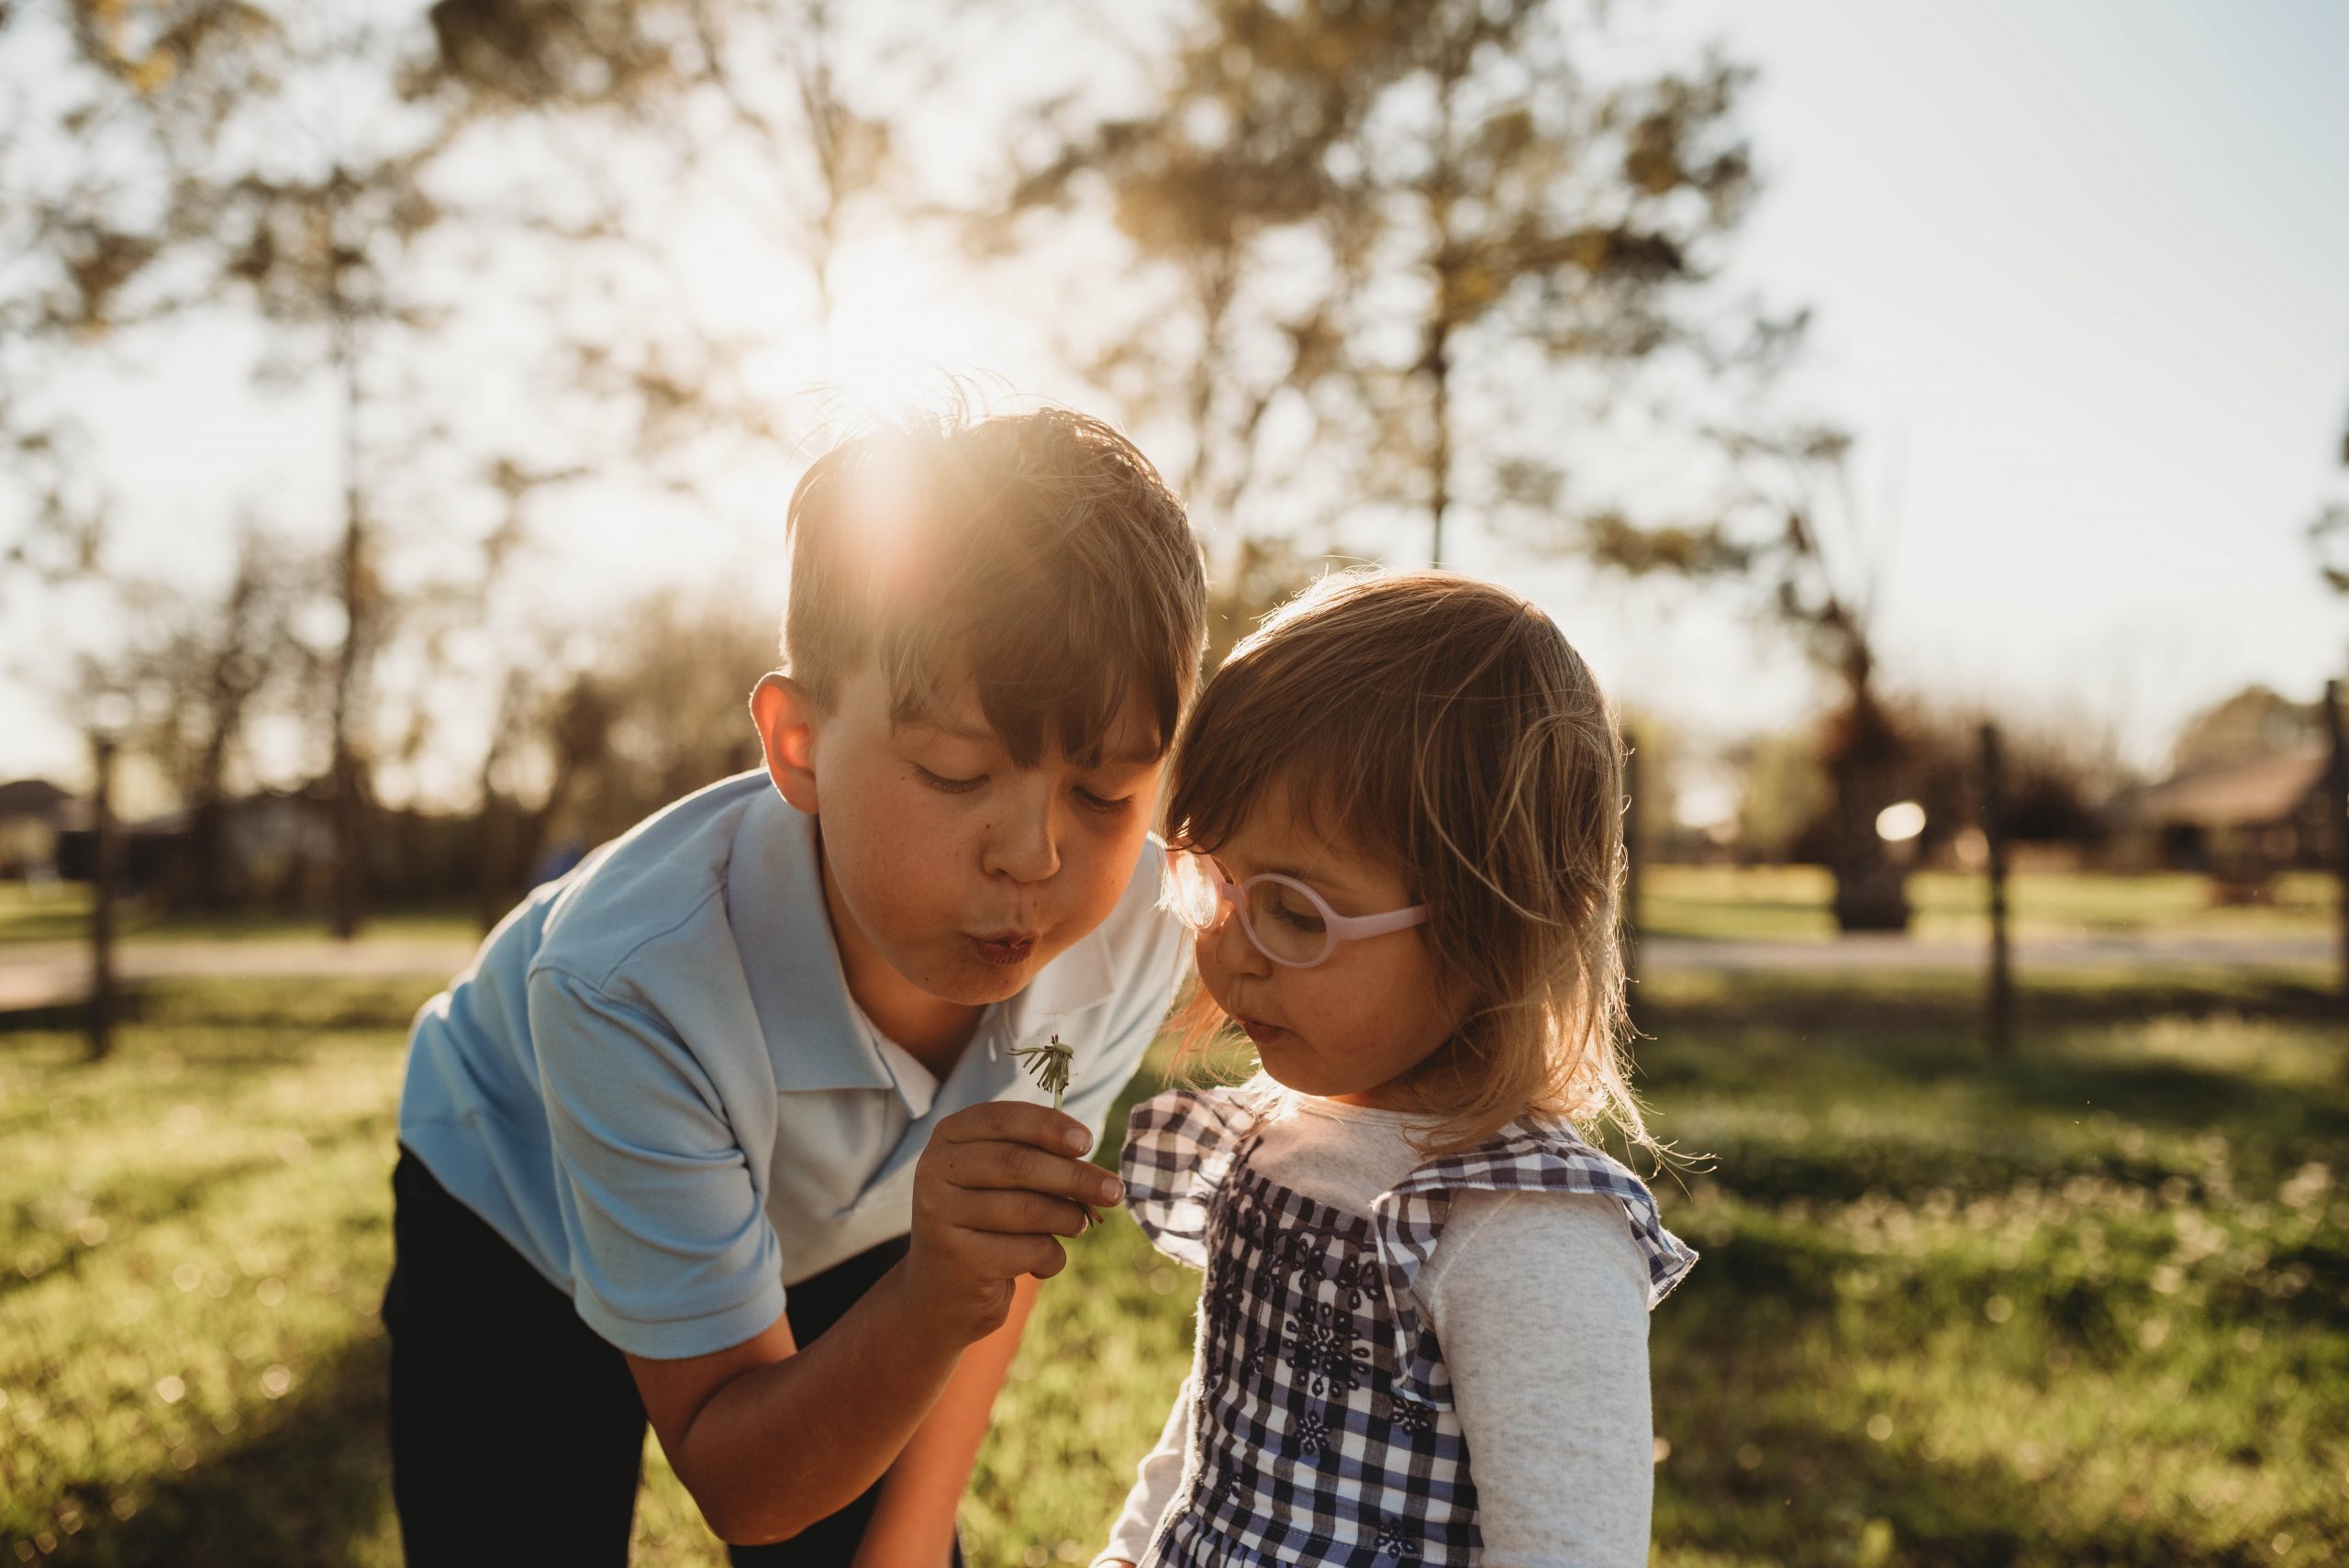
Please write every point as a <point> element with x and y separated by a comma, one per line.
<point>1352,1026</point>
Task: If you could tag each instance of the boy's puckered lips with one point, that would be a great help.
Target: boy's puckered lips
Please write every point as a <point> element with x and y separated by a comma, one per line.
<point>1004,948</point>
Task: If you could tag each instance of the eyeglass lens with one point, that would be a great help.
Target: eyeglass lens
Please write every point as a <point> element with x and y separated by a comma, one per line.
<point>1285,922</point>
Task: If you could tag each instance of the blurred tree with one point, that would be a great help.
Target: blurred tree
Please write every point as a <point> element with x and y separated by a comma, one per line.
<point>2329,534</point>
<point>1791,529</point>
<point>663,134</point>
<point>1785,792</point>
<point>200,667</point>
<point>1223,186</point>
<point>216,154</point>
<point>1258,574</point>
<point>1663,766</point>
<point>1536,213</point>
<point>2057,772</point>
<point>568,724</point>
<point>1391,200</point>
<point>600,724</point>
<point>2254,722</point>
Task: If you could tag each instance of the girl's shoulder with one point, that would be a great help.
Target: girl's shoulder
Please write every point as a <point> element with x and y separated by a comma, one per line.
<point>1533,1156</point>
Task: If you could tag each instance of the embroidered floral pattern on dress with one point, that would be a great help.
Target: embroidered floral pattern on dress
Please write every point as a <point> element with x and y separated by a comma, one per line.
<point>1411,1414</point>
<point>1323,1348</point>
<point>1395,1542</point>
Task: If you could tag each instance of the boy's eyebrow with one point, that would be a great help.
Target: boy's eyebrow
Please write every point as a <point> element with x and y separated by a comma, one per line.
<point>1142,757</point>
<point>952,731</point>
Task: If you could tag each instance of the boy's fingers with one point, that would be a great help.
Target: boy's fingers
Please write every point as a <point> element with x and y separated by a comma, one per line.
<point>1014,1121</point>
<point>1011,1212</point>
<point>1045,1257</point>
<point>1020,1166</point>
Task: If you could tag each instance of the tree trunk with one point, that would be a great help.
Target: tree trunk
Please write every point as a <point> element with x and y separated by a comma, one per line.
<point>1863,765</point>
<point>349,893</point>
<point>1440,460</point>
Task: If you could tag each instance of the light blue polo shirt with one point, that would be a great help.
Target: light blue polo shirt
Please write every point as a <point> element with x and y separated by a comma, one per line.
<point>652,1082</point>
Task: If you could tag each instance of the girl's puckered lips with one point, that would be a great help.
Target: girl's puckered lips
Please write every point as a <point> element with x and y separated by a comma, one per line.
<point>1258,1030</point>
<point>1004,949</point>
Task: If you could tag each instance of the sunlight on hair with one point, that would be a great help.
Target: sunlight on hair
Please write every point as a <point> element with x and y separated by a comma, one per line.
<point>887,499</point>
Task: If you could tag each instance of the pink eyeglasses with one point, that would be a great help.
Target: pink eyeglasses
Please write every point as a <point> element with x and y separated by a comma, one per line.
<point>1288,922</point>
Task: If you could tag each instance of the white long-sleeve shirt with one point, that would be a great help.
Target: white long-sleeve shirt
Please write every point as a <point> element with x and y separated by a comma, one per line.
<point>1540,1300</point>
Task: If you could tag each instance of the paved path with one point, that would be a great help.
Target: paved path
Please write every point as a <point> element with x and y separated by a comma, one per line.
<point>44,974</point>
<point>1862,954</point>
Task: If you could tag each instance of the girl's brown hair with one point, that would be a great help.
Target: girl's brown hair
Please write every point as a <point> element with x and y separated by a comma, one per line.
<point>1446,724</point>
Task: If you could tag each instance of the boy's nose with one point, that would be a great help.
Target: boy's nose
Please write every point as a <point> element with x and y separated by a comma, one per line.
<point>1024,844</point>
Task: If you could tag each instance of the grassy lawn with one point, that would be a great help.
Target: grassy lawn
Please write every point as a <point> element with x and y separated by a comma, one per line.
<point>60,912</point>
<point>1768,902</point>
<point>2091,1306</point>
<point>1792,903</point>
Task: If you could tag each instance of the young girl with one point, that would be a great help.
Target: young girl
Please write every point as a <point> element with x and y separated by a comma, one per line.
<point>1422,1335</point>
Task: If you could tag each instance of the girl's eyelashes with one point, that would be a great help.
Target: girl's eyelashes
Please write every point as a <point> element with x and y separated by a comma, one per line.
<point>1105,807</point>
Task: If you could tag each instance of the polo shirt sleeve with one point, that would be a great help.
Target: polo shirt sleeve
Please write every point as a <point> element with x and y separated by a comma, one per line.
<point>672,1252</point>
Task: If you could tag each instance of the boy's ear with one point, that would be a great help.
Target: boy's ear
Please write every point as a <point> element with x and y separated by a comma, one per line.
<point>786,717</point>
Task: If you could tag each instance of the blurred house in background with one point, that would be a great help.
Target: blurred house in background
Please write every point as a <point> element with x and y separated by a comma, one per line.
<point>2242,821</point>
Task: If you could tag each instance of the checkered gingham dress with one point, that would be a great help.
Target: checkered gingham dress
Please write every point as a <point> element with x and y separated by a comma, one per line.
<point>1325,1431</point>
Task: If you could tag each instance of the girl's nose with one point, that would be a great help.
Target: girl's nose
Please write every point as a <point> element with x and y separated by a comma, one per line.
<point>1233,951</point>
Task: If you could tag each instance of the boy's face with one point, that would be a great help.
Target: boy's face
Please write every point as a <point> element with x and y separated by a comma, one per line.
<point>963,874</point>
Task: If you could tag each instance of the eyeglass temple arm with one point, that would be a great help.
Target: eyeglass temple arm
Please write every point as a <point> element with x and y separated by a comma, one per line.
<point>1349,927</point>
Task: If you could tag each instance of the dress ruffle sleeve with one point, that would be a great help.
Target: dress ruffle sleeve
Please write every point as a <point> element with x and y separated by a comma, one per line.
<point>1522,1157</point>
<point>1180,1145</point>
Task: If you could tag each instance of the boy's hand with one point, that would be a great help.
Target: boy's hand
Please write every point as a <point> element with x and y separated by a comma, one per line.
<point>996,1184</point>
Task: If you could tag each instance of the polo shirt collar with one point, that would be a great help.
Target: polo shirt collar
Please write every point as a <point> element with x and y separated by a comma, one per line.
<point>775,902</point>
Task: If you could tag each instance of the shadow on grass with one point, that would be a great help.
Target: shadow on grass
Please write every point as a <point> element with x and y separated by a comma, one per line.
<point>1823,1497</point>
<point>1760,1471</point>
<point>300,1492</point>
<point>1952,1004</point>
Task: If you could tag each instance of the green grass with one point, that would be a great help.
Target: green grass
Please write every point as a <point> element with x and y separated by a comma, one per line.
<point>2091,1305</point>
<point>1745,902</point>
<point>61,913</point>
<point>1792,903</point>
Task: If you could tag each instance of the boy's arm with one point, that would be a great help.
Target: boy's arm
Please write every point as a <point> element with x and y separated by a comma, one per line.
<point>770,1438</point>
<point>914,1524</point>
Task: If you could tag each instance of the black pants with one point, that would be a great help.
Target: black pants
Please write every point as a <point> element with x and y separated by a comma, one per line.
<point>516,1432</point>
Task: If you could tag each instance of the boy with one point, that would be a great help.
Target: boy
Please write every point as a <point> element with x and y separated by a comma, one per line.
<point>724,1129</point>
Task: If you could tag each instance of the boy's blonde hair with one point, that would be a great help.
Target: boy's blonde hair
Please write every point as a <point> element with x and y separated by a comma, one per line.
<point>1038,556</point>
<point>1446,725</point>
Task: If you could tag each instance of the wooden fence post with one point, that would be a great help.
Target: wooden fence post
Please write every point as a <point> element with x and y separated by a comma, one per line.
<point>2336,807</point>
<point>1633,857</point>
<point>2001,1019</point>
<point>103,852</point>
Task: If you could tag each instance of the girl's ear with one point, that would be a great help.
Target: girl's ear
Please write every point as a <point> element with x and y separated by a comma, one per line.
<point>786,717</point>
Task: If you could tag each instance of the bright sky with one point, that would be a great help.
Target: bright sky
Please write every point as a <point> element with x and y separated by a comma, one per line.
<point>2083,265</point>
<point>2077,273</point>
